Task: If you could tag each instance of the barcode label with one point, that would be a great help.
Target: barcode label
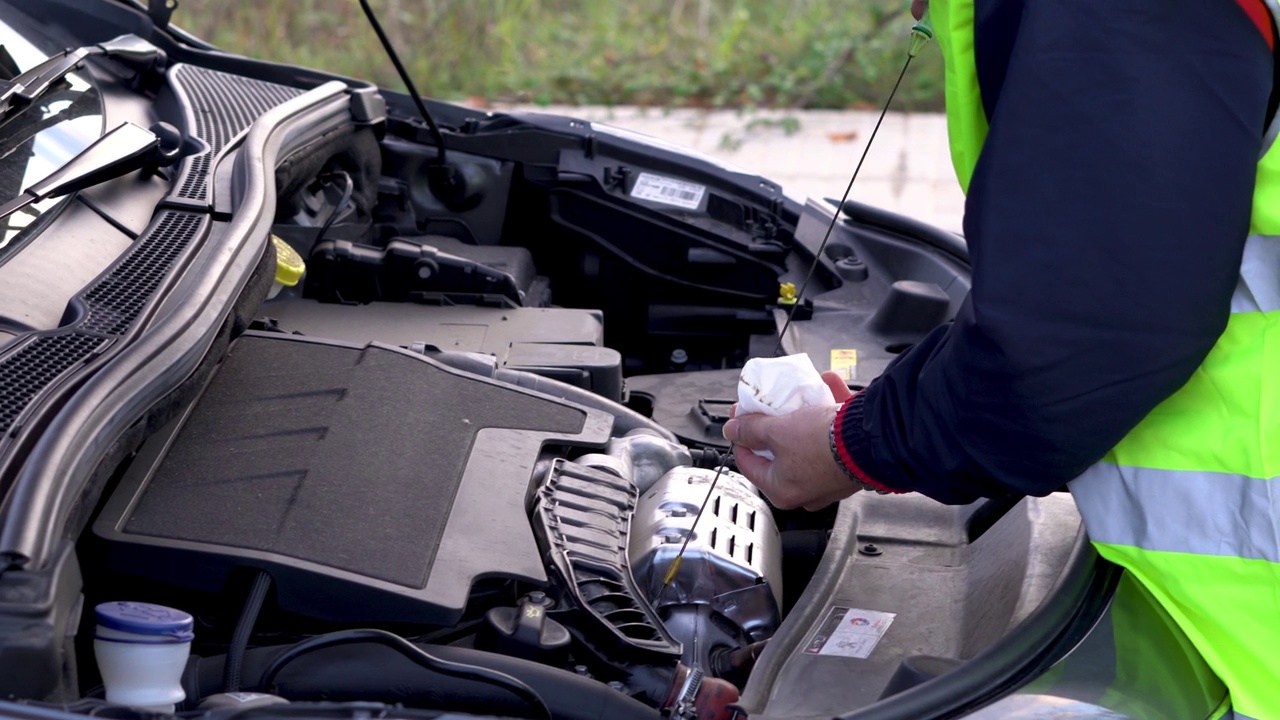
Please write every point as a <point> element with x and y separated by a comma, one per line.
<point>668,191</point>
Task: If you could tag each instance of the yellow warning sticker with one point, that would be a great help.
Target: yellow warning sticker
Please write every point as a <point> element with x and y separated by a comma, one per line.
<point>844,362</point>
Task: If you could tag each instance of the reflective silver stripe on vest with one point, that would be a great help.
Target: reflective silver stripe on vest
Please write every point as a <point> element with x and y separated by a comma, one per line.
<point>1204,513</point>
<point>1259,287</point>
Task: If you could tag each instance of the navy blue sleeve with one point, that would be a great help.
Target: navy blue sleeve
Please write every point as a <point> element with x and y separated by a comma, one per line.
<point>1106,219</point>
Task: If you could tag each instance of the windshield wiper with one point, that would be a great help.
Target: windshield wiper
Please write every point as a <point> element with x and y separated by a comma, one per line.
<point>23,90</point>
<point>127,148</point>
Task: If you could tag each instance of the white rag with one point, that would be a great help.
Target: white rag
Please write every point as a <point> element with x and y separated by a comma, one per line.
<point>777,386</point>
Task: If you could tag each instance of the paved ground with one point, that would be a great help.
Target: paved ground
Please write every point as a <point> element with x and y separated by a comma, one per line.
<point>813,152</point>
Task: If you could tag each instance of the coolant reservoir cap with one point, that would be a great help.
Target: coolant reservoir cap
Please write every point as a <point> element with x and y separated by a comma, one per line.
<point>289,264</point>
<point>156,621</point>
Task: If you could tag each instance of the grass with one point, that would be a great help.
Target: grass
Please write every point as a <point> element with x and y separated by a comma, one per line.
<point>671,53</point>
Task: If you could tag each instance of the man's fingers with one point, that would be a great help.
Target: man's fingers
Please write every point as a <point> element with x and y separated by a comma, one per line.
<point>751,464</point>
<point>763,474</point>
<point>760,471</point>
<point>749,431</point>
<point>803,474</point>
<point>839,388</point>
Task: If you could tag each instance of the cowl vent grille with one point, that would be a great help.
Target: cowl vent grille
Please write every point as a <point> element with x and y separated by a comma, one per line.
<point>110,305</point>
<point>29,369</point>
<point>116,299</point>
<point>220,106</point>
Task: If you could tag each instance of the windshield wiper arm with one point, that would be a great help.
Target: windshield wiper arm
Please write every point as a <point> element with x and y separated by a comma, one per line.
<point>127,148</point>
<point>21,91</point>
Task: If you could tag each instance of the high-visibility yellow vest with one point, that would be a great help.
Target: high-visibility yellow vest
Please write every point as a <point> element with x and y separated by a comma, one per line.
<point>1189,501</point>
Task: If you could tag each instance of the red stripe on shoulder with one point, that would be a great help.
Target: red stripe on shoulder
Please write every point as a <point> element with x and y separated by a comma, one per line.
<point>1258,13</point>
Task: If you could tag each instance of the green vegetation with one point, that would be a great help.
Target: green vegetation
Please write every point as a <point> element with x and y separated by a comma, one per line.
<point>699,53</point>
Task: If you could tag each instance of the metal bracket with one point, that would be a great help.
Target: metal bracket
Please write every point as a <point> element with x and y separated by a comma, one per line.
<point>160,11</point>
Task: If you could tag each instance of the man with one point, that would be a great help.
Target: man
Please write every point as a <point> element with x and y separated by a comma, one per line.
<point>1123,332</point>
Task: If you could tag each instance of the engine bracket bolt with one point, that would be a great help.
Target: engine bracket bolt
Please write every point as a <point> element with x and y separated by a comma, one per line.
<point>870,549</point>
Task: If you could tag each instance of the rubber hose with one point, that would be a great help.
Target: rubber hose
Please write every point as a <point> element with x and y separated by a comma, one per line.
<point>808,543</point>
<point>736,665</point>
<point>710,458</point>
<point>368,672</point>
<point>415,654</point>
<point>244,629</point>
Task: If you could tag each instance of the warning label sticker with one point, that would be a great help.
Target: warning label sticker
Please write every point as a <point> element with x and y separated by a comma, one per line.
<point>844,362</point>
<point>849,632</point>
<point>668,191</point>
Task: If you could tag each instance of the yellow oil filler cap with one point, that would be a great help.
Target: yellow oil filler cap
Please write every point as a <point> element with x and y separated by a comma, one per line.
<point>289,266</point>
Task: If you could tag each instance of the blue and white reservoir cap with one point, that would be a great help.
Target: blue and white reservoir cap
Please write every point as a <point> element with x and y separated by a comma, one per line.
<point>154,621</point>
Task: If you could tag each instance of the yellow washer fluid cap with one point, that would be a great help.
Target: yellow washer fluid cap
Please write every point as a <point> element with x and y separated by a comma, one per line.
<point>289,264</point>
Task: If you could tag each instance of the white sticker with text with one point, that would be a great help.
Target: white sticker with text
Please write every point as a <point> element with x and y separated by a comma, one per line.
<point>668,191</point>
<point>849,632</point>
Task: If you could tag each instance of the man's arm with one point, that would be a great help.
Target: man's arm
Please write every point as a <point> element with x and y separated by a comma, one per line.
<point>1106,220</point>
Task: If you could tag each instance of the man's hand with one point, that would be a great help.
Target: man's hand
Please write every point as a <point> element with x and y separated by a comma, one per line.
<point>803,472</point>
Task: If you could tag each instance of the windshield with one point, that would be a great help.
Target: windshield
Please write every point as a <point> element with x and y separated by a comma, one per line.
<point>43,136</point>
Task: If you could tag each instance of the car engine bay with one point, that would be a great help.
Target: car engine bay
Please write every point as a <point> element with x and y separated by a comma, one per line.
<point>427,437</point>
<point>451,465</point>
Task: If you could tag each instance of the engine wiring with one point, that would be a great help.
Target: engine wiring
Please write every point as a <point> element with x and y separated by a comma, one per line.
<point>348,189</point>
<point>244,629</point>
<point>413,653</point>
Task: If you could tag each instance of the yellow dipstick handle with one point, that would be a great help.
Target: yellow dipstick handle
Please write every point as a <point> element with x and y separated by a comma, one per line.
<point>675,564</point>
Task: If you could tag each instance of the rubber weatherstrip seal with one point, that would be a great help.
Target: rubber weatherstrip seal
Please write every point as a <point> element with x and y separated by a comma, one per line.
<point>874,218</point>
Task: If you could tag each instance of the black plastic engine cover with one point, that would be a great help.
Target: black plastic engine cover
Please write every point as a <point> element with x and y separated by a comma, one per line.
<point>372,483</point>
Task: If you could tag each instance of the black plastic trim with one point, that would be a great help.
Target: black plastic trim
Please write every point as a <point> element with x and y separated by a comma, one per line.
<point>880,219</point>
<point>596,574</point>
<point>138,374</point>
